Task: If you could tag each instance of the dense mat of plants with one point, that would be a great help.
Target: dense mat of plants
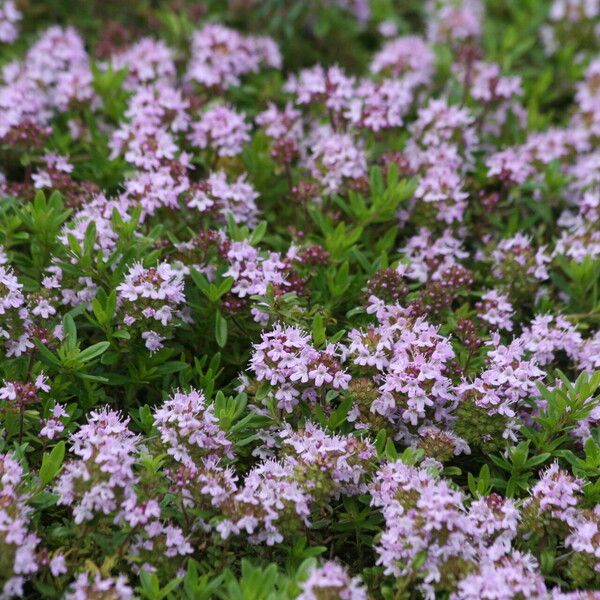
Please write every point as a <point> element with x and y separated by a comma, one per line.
<point>300,299</point>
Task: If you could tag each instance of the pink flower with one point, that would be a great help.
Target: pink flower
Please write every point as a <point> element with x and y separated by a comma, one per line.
<point>153,341</point>
<point>216,194</point>
<point>408,57</point>
<point>221,129</point>
<point>58,565</point>
<point>189,429</point>
<point>146,61</point>
<point>221,56</point>
<point>496,310</point>
<point>296,370</point>
<point>331,579</point>
<point>336,159</point>
<point>9,19</point>
<point>18,544</point>
<point>88,585</point>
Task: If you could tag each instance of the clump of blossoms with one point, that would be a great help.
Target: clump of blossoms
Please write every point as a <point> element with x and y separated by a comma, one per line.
<point>161,540</point>
<point>58,288</point>
<point>439,444</point>
<point>154,116</point>
<point>285,128</point>
<point>99,211</point>
<point>496,310</point>
<point>10,17</point>
<point>253,272</point>
<point>343,459</point>
<point>547,335</point>
<point>408,58</point>
<point>553,502</point>
<point>492,402</point>
<point>147,61</point>
<point>567,16</point>
<point>336,160</point>
<point>189,429</point>
<point>429,256</point>
<point>152,190</point>
<point>269,498</point>
<point>496,94</point>
<point>277,496</point>
<point>512,576</point>
<point>220,129</point>
<point>467,553</point>
<point>295,370</point>
<point>578,240</point>
<point>407,359</point>
<point>511,166</point>
<point>88,585</point>
<point>218,196</point>
<point>332,580</point>
<point>443,139</point>
<point>222,56</point>
<point>425,515</point>
<point>101,479</point>
<point>19,395</point>
<point>518,266</point>
<point>379,106</point>
<point>18,544</point>
<point>455,23</point>
<point>584,539</point>
<point>14,316</point>
<point>57,65</point>
<point>190,434</point>
<point>150,301</point>
<point>331,87</point>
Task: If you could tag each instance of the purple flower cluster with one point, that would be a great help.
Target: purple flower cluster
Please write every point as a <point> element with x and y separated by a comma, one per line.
<point>331,580</point>
<point>277,495</point>
<point>89,586</point>
<point>9,21</point>
<point>217,196</point>
<point>472,545</point>
<point>54,75</point>
<point>222,56</point>
<point>18,545</point>
<point>295,369</point>
<point>150,300</point>
<point>407,359</point>
<point>220,129</point>
<point>189,429</point>
<point>100,480</point>
<point>147,61</point>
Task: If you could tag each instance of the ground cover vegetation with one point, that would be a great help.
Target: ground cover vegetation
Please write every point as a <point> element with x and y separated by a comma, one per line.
<point>300,299</point>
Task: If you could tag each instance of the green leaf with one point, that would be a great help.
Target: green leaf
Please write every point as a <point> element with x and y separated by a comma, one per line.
<point>200,281</point>
<point>258,233</point>
<point>318,330</point>
<point>93,351</point>
<point>419,560</point>
<point>150,585</point>
<point>173,366</point>
<point>390,450</point>
<point>51,463</point>
<point>338,416</point>
<point>220,330</point>
<point>46,355</point>
<point>70,331</point>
